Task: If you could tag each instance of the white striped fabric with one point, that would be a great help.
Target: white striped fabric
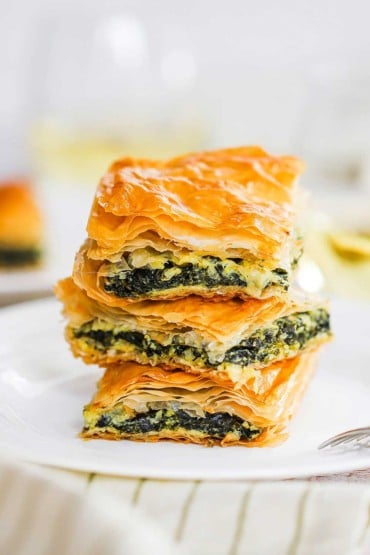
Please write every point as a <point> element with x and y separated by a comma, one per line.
<point>53,512</point>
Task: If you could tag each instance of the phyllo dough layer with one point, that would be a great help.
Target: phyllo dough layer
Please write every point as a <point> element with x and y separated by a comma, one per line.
<point>150,404</point>
<point>231,339</point>
<point>220,222</point>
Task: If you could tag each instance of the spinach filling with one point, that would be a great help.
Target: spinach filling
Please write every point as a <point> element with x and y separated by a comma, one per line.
<point>216,425</point>
<point>284,337</point>
<point>291,332</point>
<point>10,256</point>
<point>212,273</point>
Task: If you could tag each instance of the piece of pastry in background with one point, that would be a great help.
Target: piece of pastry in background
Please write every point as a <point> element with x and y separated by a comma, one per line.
<point>21,225</point>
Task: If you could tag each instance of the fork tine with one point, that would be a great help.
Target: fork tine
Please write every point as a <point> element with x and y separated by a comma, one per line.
<point>355,440</point>
<point>340,438</point>
<point>357,431</point>
<point>345,438</point>
<point>333,442</point>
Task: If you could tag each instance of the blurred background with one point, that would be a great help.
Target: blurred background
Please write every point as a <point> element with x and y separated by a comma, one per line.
<point>84,82</point>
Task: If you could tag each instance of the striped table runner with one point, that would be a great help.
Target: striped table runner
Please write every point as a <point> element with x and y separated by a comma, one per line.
<point>53,512</point>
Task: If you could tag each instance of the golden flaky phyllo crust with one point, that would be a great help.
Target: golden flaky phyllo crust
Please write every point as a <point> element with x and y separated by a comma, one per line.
<point>199,322</point>
<point>267,402</point>
<point>231,202</point>
<point>228,320</point>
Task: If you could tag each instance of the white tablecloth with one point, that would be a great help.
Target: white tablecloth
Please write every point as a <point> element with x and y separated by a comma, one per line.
<point>46,511</point>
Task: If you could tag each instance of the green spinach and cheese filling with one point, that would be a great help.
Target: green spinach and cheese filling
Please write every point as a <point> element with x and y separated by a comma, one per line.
<point>12,256</point>
<point>154,421</point>
<point>282,338</point>
<point>149,273</point>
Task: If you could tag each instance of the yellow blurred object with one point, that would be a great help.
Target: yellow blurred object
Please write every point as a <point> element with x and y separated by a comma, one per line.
<point>344,259</point>
<point>77,155</point>
<point>351,245</point>
<point>21,225</point>
<point>337,244</point>
<point>20,216</point>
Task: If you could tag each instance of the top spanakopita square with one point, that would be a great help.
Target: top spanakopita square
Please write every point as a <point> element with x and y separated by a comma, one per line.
<point>208,223</point>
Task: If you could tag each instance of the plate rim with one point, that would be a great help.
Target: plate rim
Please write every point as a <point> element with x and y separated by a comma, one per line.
<point>290,471</point>
<point>286,473</point>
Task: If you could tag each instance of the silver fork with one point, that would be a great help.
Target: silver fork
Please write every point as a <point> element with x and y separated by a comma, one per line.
<point>352,439</point>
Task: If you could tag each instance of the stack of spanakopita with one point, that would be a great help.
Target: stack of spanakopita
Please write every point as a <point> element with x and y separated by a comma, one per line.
<point>182,293</point>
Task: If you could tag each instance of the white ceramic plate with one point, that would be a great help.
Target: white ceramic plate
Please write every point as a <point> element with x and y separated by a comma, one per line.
<point>43,389</point>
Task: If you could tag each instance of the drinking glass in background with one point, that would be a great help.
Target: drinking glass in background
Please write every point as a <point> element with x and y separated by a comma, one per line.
<point>337,246</point>
<point>107,86</point>
<point>335,138</point>
<point>334,134</point>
